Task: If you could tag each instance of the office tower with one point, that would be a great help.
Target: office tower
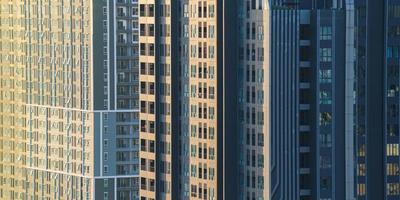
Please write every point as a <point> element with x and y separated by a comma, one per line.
<point>388,40</point>
<point>69,99</point>
<point>294,96</point>
<point>377,93</point>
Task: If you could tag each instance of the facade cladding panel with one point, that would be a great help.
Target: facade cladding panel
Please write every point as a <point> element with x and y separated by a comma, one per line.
<point>283,104</point>
<point>71,108</point>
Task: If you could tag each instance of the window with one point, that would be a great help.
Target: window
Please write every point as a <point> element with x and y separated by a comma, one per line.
<point>325,76</point>
<point>211,31</point>
<point>143,183</point>
<point>211,10</point>
<point>211,133</point>
<point>151,49</point>
<point>143,145</point>
<point>392,149</point>
<point>193,151</point>
<point>151,69</point>
<point>193,71</point>
<point>143,68</point>
<point>361,189</point>
<point>325,118</point>
<point>105,156</point>
<point>105,37</point>
<point>392,52</point>
<point>325,139</point>
<point>211,51</point>
<point>105,169</point>
<point>211,113</point>
<point>193,170</point>
<point>361,151</point>
<point>326,33</point>
<point>151,165</point>
<point>392,169</point>
<point>142,10</point>
<point>393,90</point>
<point>325,183</point>
<point>151,146</point>
<point>395,31</point>
<point>393,188</point>
<point>105,11</point>
<point>360,169</point>
<point>142,49</point>
<point>151,29</point>
<point>143,164</point>
<point>260,139</point>
<point>211,72</point>
<point>151,10</point>
<point>142,29</point>
<point>211,154</point>
<point>394,10</point>
<point>260,182</point>
<point>326,54</point>
<point>392,129</point>
<point>185,10</point>
<point>193,191</point>
<point>325,97</point>
<point>260,159</point>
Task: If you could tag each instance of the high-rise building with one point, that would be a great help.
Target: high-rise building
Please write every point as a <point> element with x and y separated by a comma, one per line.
<point>69,99</point>
<point>377,95</point>
<point>187,99</point>
<point>293,100</point>
<point>246,99</point>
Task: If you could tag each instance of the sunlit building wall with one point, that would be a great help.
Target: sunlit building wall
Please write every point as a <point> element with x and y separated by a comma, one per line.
<point>70,116</point>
